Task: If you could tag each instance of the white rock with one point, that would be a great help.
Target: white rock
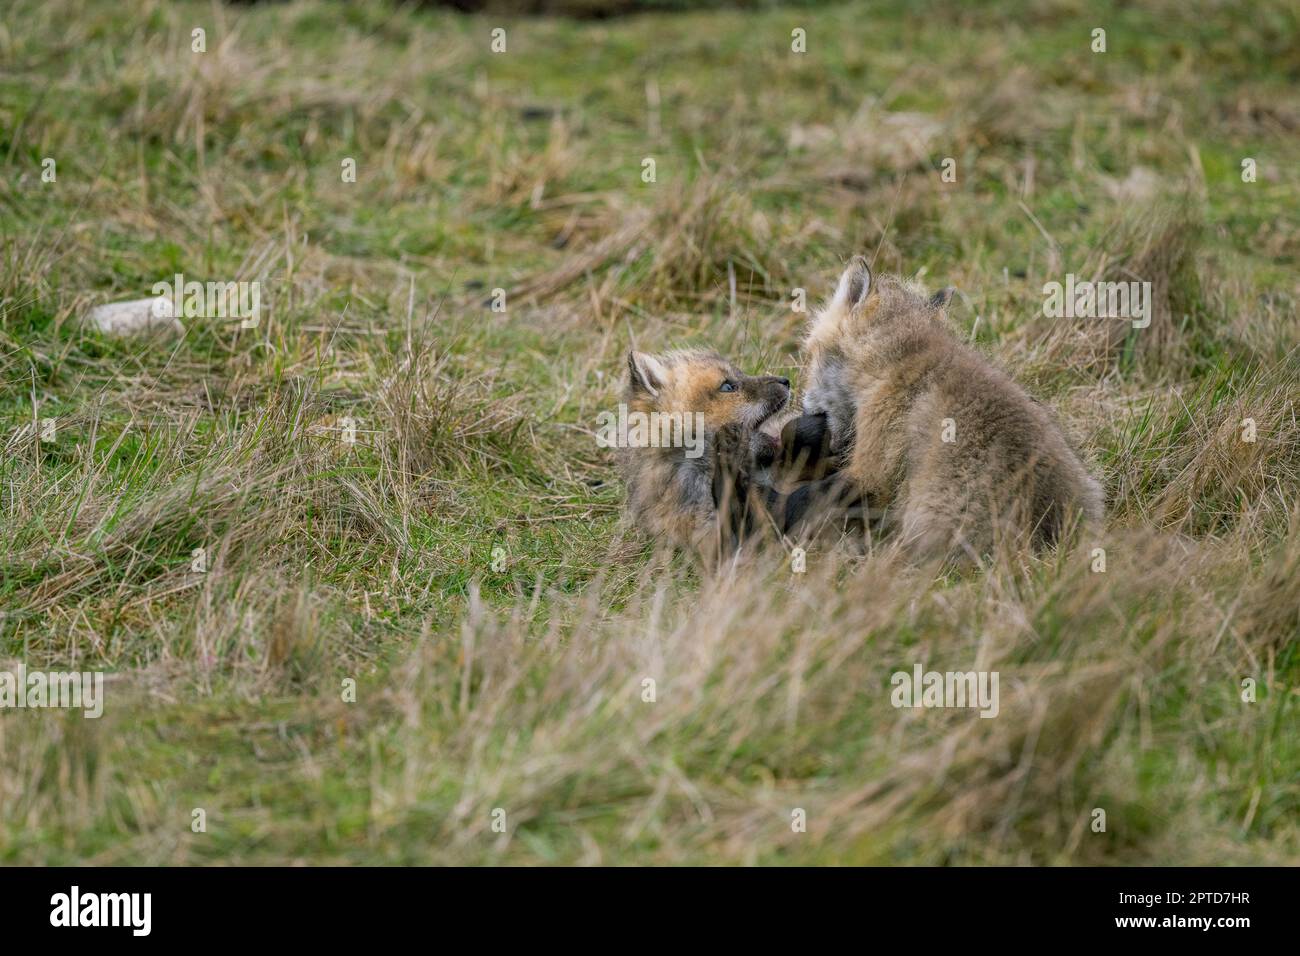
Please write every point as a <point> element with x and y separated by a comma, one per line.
<point>138,315</point>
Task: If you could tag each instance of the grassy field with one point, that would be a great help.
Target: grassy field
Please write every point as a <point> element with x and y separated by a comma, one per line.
<point>464,561</point>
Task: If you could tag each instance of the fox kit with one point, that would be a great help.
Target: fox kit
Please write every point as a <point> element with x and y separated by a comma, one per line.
<point>924,426</point>
<point>671,492</point>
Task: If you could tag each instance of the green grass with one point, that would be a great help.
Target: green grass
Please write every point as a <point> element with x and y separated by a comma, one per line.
<point>519,686</point>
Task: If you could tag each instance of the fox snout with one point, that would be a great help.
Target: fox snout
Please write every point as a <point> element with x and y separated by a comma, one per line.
<point>771,391</point>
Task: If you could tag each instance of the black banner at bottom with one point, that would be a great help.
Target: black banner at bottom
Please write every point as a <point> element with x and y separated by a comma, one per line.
<point>336,905</point>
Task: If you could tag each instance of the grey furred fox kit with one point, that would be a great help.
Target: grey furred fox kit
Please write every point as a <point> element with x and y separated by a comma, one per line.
<point>923,425</point>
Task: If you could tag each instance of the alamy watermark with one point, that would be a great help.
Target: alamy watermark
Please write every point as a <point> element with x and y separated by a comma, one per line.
<point>633,429</point>
<point>75,908</point>
<point>209,300</point>
<point>1085,299</point>
<point>75,690</point>
<point>922,688</point>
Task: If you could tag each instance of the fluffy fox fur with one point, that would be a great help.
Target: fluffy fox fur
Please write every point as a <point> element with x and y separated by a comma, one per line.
<point>924,426</point>
<point>671,495</point>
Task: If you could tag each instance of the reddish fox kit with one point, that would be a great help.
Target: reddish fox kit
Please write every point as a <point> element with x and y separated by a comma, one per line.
<point>925,427</point>
<point>680,403</point>
<point>700,458</point>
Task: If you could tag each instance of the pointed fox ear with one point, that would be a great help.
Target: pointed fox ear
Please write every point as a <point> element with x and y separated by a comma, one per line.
<point>646,372</point>
<point>855,285</point>
<point>941,298</point>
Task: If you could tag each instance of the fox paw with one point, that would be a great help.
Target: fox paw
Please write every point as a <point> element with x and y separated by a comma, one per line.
<point>731,449</point>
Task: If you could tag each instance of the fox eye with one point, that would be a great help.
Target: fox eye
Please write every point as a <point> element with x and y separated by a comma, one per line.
<point>727,386</point>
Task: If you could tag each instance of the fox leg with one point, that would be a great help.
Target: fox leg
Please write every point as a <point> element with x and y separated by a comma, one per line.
<point>815,503</point>
<point>806,447</point>
<point>745,504</point>
<point>733,491</point>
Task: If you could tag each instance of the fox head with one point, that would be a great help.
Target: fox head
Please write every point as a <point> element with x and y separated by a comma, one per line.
<point>862,300</point>
<point>700,382</point>
<point>861,306</point>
